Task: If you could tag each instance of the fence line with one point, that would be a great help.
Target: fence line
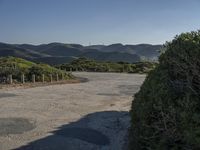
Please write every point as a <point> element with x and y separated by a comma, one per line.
<point>10,79</point>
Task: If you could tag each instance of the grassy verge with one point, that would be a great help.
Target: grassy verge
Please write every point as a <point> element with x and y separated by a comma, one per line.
<point>17,66</point>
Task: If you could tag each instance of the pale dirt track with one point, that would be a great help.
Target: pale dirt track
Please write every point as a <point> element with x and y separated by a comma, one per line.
<point>83,116</point>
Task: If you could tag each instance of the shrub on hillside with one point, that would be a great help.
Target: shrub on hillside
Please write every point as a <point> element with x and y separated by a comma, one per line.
<point>84,64</point>
<point>166,111</point>
<point>17,66</point>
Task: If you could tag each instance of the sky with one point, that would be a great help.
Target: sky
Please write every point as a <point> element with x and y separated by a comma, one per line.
<point>96,21</point>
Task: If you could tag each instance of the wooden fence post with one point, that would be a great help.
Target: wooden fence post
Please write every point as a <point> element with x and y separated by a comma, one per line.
<point>10,79</point>
<point>62,76</point>
<point>33,78</point>
<point>51,79</point>
<point>43,78</point>
<point>57,77</point>
<point>22,79</point>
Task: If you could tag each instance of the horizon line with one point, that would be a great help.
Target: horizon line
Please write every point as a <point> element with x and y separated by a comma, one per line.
<point>89,44</point>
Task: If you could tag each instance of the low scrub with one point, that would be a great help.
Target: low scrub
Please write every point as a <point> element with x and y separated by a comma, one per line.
<point>84,64</point>
<point>17,66</point>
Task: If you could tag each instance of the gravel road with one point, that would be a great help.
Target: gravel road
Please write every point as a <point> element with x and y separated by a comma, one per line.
<point>84,116</point>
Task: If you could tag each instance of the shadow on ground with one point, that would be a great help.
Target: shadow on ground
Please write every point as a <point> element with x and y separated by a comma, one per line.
<point>4,95</point>
<point>92,132</point>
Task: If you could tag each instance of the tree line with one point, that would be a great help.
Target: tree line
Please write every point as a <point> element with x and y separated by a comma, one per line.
<point>85,64</point>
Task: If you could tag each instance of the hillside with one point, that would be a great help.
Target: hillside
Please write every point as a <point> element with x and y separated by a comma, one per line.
<point>111,56</point>
<point>18,66</point>
<point>148,51</point>
<point>57,53</point>
<point>12,50</point>
<point>54,60</point>
<point>143,50</point>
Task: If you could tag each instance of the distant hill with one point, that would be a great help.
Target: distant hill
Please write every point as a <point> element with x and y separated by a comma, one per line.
<point>54,60</point>
<point>97,47</point>
<point>114,48</point>
<point>145,50</point>
<point>148,51</point>
<point>58,53</point>
<point>112,56</point>
<point>12,50</point>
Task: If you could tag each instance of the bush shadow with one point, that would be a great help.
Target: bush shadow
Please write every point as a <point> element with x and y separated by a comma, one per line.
<point>92,132</point>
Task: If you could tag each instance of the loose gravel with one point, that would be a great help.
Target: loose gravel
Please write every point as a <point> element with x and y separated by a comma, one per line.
<point>91,115</point>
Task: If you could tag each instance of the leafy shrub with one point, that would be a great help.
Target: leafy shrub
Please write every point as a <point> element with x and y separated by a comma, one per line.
<point>84,64</point>
<point>166,111</point>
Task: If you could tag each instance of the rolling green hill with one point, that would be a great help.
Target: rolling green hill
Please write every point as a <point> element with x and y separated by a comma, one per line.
<point>19,66</point>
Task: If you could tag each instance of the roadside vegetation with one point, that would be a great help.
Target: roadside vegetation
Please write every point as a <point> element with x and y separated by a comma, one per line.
<point>166,111</point>
<point>84,64</point>
<point>17,66</point>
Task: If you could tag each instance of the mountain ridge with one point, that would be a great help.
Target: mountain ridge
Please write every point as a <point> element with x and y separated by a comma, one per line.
<point>56,53</point>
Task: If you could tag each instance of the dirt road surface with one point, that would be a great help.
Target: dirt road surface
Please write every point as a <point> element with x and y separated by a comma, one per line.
<point>85,116</point>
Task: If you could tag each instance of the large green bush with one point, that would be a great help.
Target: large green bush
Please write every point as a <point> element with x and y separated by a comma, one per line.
<point>166,111</point>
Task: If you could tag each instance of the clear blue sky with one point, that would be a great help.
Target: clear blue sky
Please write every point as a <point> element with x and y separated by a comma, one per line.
<point>96,21</point>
